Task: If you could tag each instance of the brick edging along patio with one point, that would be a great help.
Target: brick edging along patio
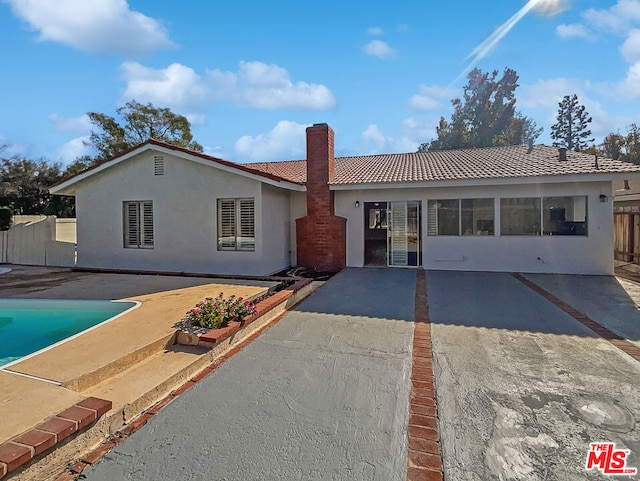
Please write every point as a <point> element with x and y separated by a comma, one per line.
<point>213,336</point>
<point>618,341</point>
<point>424,460</point>
<point>46,435</point>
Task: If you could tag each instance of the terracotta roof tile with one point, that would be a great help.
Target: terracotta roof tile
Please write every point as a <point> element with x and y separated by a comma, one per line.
<point>486,163</point>
<point>292,170</point>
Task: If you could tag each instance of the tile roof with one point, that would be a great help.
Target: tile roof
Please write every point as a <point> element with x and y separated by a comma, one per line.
<point>486,163</point>
<point>292,170</point>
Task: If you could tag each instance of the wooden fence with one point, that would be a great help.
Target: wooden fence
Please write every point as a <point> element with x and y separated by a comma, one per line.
<point>626,236</point>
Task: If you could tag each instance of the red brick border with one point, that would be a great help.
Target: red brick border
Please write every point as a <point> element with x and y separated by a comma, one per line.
<point>424,460</point>
<point>22,449</point>
<point>94,456</point>
<point>214,336</point>
<point>618,341</point>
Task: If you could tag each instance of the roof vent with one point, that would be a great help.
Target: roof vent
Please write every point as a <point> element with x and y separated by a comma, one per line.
<point>562,154</point>
<point>158,165</point>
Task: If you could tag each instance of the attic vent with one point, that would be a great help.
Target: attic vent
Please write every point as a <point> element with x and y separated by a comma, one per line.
<point>562,154</point>
<point>158,165</point>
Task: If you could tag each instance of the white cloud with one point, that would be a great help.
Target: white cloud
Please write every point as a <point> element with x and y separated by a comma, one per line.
<point>284,142</point>
<point>9,149</point>
<point>374,31</point>
<point>75,125</point>
<point>617,19</point>
<point>629,88</point>
<point>177,87</point>
<point>256,85</point>
<point>573,30</point>
<point>432,97</point>
<point>418,132</point>
<point>95,26</point>
<point>374,135</point>
<point>217,151</point>
<point>379,143</point>
<point>630,49</point>
<point>379,49</point>
<point>72,150</point>
<point>545,94</point>
<point>263,86</point>
<point>542,98</point>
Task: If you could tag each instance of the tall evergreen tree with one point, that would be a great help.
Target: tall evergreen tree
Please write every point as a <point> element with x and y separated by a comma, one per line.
<point>485,116</point>
<point>571,130</point>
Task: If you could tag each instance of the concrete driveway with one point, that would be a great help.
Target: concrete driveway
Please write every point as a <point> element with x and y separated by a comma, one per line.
<point>522,387</point>
<point>322,395</point>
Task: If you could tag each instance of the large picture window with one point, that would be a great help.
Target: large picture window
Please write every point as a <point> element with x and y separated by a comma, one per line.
<point>544,216</point>
<point>236,225</point>
<point>465,217</point>
<point>138,224</point>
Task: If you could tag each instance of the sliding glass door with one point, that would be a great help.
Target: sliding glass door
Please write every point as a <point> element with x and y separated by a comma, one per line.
<point>403,234</point>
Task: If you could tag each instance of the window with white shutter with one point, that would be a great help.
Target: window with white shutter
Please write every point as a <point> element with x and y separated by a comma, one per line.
<point>236,224</point>
<point>138,224</point>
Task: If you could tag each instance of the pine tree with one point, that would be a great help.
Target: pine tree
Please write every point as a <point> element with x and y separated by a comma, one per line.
<point>571,129</point>
<point>485,116</point>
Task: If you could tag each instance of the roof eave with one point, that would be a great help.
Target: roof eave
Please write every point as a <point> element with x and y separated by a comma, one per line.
<point>546,179</point>
<point>68,187</point>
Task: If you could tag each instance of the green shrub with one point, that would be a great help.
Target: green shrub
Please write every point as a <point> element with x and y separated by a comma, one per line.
<point>5,218</point>
<point>219,312</point>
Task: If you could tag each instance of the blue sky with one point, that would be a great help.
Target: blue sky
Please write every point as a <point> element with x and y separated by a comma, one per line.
<point>251,75</point>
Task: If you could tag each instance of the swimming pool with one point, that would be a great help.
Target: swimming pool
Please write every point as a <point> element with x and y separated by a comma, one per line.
<point>30,325</point>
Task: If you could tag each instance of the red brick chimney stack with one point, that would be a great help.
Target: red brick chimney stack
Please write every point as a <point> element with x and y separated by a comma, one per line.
<point>321,236</point>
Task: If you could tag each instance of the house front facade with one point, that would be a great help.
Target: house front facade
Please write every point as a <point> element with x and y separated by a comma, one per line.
<point>512,209</point>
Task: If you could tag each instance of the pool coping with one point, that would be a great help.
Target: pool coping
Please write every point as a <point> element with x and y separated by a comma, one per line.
<point>42,440</point>
<point>136,304</point>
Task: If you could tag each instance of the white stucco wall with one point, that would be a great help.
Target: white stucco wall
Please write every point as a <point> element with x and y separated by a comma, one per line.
<point>185,218</point>
<point>592,254</point>
<point>298,210</point>
<point>276,228</point>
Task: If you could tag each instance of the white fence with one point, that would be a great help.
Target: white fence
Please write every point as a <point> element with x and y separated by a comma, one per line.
<point>39,240</point>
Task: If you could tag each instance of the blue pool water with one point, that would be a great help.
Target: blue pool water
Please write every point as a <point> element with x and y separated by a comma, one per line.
<point>29,325</point>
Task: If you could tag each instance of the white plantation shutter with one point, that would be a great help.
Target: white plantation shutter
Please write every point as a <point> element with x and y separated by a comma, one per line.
<point>131,224</point>
<point>399,244</point>
<point>227,224</point>
<point>432,218</point>
<point>138,224</point>
<point>247,225</point>
<point>236,224</point>
<point>147,224</point>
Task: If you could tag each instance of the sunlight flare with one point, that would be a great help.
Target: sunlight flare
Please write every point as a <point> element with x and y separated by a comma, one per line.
<point>544,7</point>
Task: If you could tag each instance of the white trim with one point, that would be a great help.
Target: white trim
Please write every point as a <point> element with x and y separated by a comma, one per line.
<point>67,339</point>
<point>65,187</point>
<point>547,179</point>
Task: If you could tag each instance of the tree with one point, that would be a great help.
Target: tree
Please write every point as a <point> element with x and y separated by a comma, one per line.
<point>141,123</point>
<point>613,146</point>
<point>485,116</point>
<point>632,145</point>
<point>25,183</point>
<point>571,129</point>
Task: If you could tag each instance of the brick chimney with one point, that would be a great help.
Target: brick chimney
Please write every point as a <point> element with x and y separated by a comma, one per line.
<point>321,236</point>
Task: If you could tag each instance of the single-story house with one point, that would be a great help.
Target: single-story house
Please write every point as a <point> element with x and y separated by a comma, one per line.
<point>158,207</point>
